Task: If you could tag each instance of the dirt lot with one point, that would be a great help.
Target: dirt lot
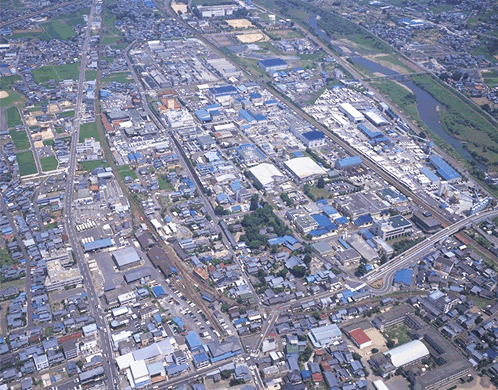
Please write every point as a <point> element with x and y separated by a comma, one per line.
<point>239,23</point>
<point>252,37</point>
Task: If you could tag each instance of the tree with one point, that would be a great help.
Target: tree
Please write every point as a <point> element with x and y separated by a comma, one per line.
<point>390,343</point>
<point>375,350</point>
<point>316,315</point>
<point>298,271</point>
<point>218,210</point>
<point>307,258</point>
<point>254,202</point>
<point>320,183</point>
<point>361,270</point>
<point>356,356</point>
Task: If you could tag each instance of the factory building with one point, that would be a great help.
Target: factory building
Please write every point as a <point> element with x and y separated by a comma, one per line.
<point>273,64</point>
<point>352,113</point>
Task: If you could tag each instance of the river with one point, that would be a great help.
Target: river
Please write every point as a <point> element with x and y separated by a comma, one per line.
<point>427,106</point>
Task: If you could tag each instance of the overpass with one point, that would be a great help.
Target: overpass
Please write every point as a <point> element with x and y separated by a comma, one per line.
<point>387,270</point>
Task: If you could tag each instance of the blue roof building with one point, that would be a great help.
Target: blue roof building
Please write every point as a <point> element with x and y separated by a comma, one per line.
<point>444,169</point>
<point>98,244</point>
<point>227,90</point>
<point>193,341</point>
<point>348,162</point>
<point>274,64</point>
<point>403,277</point>
<point>158,291</point>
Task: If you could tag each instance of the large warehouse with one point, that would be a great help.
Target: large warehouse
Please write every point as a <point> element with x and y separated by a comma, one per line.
<point>267,174</point>
<point>352,113</point>
<point>126,257</point>
<point>304,168</point>
<point>324,336</point>
<point>408,353</point>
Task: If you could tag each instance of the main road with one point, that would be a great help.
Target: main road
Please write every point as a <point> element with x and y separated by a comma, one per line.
<point>69,220</point>
<point>387,271</point>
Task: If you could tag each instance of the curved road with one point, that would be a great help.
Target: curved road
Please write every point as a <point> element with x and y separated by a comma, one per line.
<point>387,271</point>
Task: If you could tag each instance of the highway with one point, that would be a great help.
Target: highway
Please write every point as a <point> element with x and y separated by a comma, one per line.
<point>387,271</point>
<point>69,219</point>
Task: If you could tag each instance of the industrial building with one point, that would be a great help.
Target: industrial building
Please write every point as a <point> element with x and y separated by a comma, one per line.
<point>444,169</point>
<point>273,64</point>
<point>249,154</point>
<point>267,175</point>
<point>304,168</point>
<point>325,336</point>
<point>126,257</point>
<point>352,113</point>
<point>375,118</point>
<point>348,162</point>
<point>311,139</point>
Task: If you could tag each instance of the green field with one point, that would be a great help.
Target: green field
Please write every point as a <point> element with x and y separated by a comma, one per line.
<point>120,77</point>
<point>163,183</point>
<point>89,130</point>
<point>48,142</point>
<point>56,73</point>
<point>490,78</point>
<point>125,170</point>
<point>7,82</point>
<point>49,163</point>
<point>20,139</point>
<point>67,114</point>
<point>91,165</point>
<point>62,27</point>
<point>56,29</point>
<point>26,163</point>
<point>398,333</point>
<point>13,98</point>
<point>12,117</point>
<point>90,75</point>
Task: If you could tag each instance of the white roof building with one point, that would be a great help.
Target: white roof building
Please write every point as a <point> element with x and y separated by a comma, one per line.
<point>267,174</point>
<point>352,113</point>
<point>407,353</point>
<point>325,336</point>
<point>304,167</point>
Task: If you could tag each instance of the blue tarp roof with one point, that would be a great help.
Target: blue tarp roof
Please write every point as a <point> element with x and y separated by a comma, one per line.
<point>404,276</point>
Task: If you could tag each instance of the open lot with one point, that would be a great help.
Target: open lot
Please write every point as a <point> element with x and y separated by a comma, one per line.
<point>89,130</point>
<point>91,165</point>
<point>239,23</point>
<point>56,73</point>
<point>252,37</point>
<point>12,117</point>
<point>49,163</point>
<point>20,139</point>
<point>26,163</point>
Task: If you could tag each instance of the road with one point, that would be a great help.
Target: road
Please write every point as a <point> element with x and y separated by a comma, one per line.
<point>387,271</point>
<point>69,219</point>
<point>31,14</point>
